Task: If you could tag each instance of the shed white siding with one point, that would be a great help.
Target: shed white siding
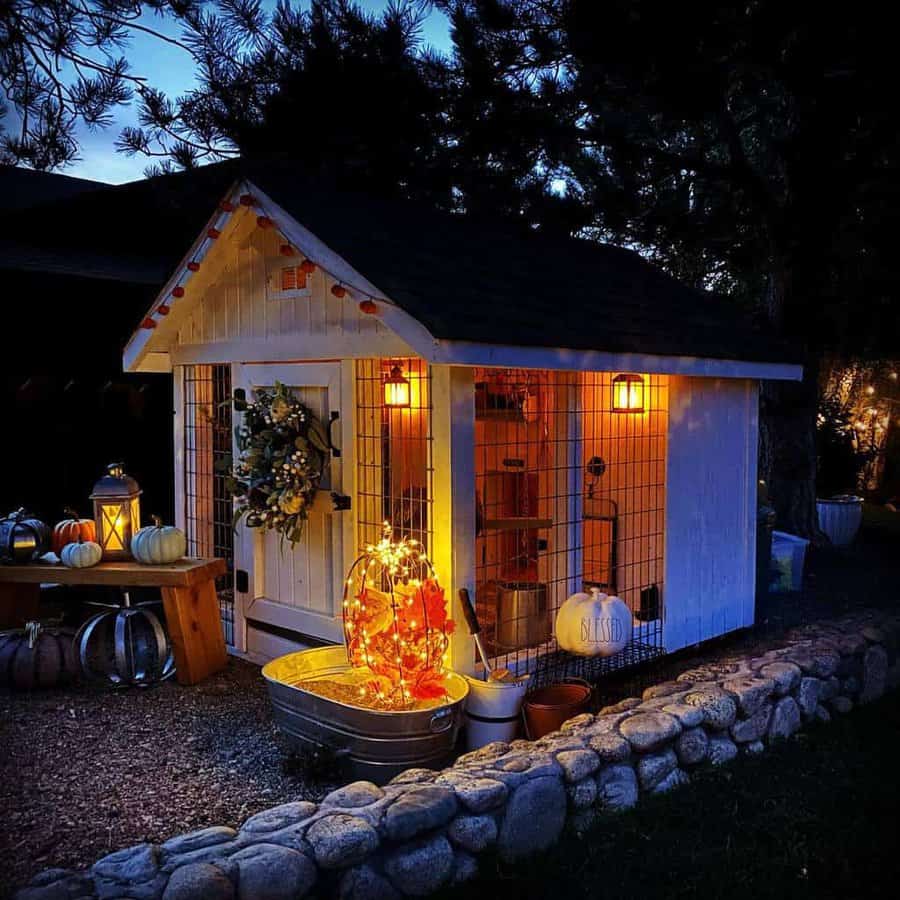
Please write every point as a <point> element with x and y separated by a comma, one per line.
<point>711,508</point>
<point>233,309</point>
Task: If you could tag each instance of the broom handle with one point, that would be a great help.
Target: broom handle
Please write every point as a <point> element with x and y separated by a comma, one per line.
<point>474,628</point>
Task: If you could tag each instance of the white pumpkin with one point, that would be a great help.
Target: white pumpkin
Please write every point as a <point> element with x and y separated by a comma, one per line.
<point>158,544</point>
<point>81,555</point>
<point>593,624</point>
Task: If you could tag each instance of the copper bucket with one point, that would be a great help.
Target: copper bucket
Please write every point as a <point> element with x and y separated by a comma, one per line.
<point>547,708</point>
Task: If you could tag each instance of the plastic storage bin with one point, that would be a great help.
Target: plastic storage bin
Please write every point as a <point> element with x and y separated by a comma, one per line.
<point>788,555</point>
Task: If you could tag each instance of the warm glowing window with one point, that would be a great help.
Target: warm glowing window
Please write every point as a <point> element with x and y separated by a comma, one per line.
<point>394,467</point>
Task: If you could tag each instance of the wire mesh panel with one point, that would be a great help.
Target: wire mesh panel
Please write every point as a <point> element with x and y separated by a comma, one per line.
<point>207,460</point>
<point>570,495</point>
<point>394,470</point>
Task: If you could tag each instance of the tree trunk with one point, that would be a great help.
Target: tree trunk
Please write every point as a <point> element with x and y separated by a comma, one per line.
<point>788,411</point>
<point>788,451</point>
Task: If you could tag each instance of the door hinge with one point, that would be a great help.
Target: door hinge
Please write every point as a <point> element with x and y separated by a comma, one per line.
<point>340,501</point>
<point>241,581</point>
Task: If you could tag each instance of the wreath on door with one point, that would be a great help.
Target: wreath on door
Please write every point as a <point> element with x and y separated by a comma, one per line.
<point>283,451</point>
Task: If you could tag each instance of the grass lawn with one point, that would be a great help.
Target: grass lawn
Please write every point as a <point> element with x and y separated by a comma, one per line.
<point>816,817</point>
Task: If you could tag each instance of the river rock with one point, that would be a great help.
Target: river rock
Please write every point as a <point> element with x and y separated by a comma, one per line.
<point>674,779</point>
<point>272,872</point>
<point>807,696</point>
<point>200,880</point>
<point>279,817</point>
<point>665,689</point>
<point>341,840</point>
<point>648,730</point>
<point>785,719</point>
<point>874,674</point>
<point>578,764</point>
<point>654,767</point>
<point>534,818</point>
<point>473,833</point>
<point>418,810</point>
<point>752,729</point>
<point>626,705</point>
<point>785,675</point>
<point>750,693</point>
<point>57,884</point>
<point>583,794</point>
<point>358,793</point>
<point>421,867</point>
<point>610,747</point>
<point>719,709</point>
<point>134,869</point>
<point>688,716</point>
<point>465,867</point>
<point>721,749</point>
<point>198,840</point>
<point>365,883</point>
<point>617,788</point>
<point>476,794</point>
<point>691,746</point>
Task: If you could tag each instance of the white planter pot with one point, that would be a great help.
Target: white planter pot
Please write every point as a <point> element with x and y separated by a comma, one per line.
<point>840,518</point>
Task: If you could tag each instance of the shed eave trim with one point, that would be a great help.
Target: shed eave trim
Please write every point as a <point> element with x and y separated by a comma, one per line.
<point>465,353</point>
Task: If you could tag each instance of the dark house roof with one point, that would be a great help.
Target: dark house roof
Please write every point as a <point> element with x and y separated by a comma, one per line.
<point>23,188</point>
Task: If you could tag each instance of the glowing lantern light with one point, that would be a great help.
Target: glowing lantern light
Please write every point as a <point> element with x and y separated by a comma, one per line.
<point>628,393</point>
<point>395,623</point>
<point>396,388</point>
<point>117,511</point>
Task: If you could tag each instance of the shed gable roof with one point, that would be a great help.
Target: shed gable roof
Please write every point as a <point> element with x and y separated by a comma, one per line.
<point>460,282</point>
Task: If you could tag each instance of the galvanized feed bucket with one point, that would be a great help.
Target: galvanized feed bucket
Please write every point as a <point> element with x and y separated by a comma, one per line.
<point>372,744</point>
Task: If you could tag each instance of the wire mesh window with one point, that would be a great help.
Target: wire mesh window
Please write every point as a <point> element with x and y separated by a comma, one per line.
<point>207,459</point>
<point>570,495</point>
<point>394,470</point>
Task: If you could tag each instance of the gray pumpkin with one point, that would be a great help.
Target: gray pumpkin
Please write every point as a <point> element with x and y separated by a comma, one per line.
<point>37,656</point>
<point>22,538</point>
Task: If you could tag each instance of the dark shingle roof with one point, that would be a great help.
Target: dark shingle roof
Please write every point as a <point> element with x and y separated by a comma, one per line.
<point>470,281</point>
<point>23,188</point>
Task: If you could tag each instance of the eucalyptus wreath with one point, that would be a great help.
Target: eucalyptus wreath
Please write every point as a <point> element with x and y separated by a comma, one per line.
<point>283,451</point>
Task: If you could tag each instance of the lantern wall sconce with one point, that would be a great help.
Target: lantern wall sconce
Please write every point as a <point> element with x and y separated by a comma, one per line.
<point>117,512</point>
<point>396,389</point>
<point>628,393</point>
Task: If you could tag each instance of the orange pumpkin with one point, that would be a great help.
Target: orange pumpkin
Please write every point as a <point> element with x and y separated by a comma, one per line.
<point>72,531</point>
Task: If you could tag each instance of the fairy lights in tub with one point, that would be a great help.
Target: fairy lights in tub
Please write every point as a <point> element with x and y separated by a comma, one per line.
<point>395,622</point>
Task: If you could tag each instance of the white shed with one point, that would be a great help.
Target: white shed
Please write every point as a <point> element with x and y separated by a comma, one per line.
<point>510,461</point>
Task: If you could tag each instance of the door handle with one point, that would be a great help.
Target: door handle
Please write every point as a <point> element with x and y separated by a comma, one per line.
<point>332,418</point>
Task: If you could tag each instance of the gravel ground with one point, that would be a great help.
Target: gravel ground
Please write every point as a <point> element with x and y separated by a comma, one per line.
<point>85,771</point>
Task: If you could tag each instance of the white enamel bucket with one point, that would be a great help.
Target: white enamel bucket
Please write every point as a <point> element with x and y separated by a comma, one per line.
<point>493,711</point>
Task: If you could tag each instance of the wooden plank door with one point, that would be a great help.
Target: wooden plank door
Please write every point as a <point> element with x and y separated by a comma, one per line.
<point>298,588</point>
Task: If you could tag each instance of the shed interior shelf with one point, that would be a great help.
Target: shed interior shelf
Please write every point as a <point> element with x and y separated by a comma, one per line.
<point>517,523</point>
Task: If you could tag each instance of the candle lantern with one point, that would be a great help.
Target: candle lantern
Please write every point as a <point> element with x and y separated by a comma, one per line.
<point>628,393</point>
<point>396,388</point>
<point>117,512</point>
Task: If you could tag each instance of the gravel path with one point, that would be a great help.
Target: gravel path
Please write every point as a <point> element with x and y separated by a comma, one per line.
<point>85,771</point>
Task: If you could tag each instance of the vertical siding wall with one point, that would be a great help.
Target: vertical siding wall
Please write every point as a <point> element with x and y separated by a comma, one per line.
<point>710,508</point>
<point>243,302</point>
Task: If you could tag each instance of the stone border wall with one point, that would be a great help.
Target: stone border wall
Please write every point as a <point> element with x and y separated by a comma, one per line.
<point>427,828</point>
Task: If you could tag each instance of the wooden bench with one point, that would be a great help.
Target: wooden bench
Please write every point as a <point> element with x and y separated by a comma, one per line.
<point>189,598</point>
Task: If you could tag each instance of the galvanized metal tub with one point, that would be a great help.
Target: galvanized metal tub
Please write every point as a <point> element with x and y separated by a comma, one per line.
<point>372,744</point>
